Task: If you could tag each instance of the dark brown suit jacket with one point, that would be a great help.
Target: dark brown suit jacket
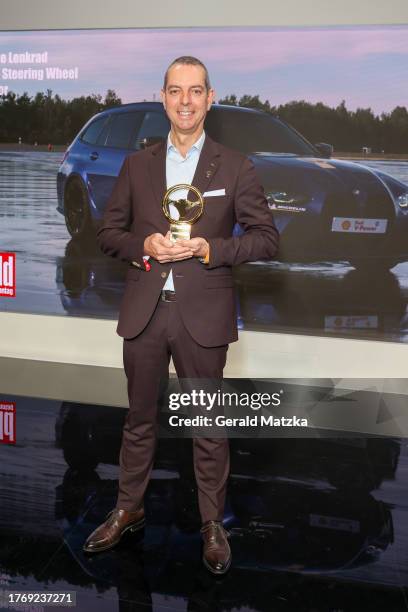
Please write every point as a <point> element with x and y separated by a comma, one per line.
<point>205,292</point>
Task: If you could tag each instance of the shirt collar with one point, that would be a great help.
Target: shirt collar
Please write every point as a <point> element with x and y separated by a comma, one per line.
<point>198,145</point>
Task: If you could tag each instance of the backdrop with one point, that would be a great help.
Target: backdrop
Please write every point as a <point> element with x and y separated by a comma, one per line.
<point>330,150</point>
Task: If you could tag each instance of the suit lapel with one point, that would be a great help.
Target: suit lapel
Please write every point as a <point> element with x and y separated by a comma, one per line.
<point>207,166</point>
<point>157,168</point>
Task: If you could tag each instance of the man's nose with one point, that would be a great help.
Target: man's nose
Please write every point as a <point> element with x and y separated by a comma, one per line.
<point>185,98</point>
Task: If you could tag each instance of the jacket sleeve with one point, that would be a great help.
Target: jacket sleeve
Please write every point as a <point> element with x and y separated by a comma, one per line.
<point>114,236</point>
<point>261,238</point>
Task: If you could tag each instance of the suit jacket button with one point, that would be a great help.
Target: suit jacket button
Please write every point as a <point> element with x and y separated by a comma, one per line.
<point>163,274</point>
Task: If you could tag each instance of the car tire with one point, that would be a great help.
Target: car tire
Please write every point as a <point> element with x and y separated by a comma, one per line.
<point>76,209</point>
<point>82,456</point>
<point>372,264</point>
<point>79,443</point>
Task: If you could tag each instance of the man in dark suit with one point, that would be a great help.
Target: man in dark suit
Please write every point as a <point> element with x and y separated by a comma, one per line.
<point>180,302</point>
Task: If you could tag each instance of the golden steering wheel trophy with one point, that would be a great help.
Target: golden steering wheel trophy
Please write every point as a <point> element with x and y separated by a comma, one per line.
<point>188,211</point>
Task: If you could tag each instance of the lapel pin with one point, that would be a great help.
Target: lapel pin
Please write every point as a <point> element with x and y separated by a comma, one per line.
<point>208,173</point>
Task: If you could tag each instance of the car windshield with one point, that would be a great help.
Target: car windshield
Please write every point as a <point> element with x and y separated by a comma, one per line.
<point>250,132</point>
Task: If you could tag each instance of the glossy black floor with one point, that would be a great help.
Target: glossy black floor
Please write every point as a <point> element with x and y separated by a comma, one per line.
<point>316,525</point>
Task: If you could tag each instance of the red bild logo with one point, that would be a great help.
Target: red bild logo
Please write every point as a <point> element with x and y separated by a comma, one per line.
<point>7,422</point>
<point>7,275</point>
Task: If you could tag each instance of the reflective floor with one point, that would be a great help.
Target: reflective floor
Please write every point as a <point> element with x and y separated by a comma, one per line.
<point>316,525</point>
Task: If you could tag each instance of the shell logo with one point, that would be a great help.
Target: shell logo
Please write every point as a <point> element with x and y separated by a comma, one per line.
<point>346,225</point>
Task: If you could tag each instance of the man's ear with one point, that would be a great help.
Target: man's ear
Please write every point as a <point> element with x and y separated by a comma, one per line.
<point>162,96</point>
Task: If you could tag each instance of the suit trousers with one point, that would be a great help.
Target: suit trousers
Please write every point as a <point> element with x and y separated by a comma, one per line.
<point>146,360</point>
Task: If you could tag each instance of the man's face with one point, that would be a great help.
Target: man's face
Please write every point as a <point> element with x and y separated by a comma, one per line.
<point>186,99</point>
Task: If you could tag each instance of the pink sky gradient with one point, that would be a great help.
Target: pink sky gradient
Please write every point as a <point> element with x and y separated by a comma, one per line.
<point>365,66</point>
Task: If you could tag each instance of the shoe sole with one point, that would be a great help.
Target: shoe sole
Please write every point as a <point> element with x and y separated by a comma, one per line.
<point>215,571</point>
<point>132,528</point>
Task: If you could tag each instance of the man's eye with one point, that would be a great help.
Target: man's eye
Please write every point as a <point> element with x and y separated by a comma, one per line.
<point>197,91</point>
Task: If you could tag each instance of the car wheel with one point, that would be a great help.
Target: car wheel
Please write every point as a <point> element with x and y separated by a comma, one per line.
<point>79,444</point>
<point>76,207</point>
<point>80,459</point>
<point>372,264</point>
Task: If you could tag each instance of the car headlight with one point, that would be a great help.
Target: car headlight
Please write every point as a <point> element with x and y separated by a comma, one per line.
<point>402,200</point>
<point>290,202</point>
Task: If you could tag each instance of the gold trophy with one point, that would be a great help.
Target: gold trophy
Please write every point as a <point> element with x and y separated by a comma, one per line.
<point>185,212</point>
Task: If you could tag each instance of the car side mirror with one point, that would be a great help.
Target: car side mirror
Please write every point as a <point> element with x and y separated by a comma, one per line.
<point>325,150</point>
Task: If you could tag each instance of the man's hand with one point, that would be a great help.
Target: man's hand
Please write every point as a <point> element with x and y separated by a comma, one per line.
<point>198,246</point>
<point>164,250</point>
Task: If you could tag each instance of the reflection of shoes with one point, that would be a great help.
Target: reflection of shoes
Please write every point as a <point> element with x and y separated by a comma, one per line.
<point>216,553</point>
<point>110,532</point>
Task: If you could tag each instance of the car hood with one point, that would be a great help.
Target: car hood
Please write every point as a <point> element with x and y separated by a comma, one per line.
<point>286,172</point>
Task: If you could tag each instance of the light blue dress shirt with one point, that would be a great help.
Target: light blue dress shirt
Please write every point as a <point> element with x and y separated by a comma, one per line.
<point>180,169</point>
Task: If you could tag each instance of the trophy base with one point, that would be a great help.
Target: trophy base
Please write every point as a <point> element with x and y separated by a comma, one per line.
<point>180,231</point>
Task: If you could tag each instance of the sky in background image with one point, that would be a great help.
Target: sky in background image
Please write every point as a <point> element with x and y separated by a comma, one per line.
<point>365,66</point>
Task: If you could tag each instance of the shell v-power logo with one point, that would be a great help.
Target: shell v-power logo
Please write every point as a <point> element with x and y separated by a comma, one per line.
<point>7,274</point>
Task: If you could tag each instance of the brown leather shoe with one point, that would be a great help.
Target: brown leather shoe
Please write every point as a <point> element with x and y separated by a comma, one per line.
<point>216,551</point>
<point>110,532</point>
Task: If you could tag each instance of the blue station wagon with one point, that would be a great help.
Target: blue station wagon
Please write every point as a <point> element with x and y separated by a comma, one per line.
<point>325,209</point>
